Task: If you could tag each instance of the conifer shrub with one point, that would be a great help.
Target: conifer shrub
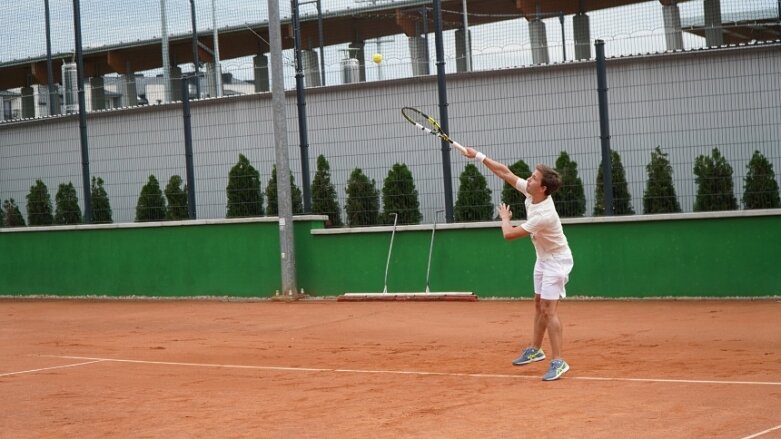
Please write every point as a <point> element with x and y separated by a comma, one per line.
<point>177,200</point>
<point>363,200</point>
<point>39,205</point>
<point>271,195</point>
<point>13,216</point>
<point>761,188</point>
<point>400,196</point>
<point>473,202</point>
<point>659,195</point>
<point>570,199</point>
<point>151,204</point>
<point>622,201</point>
<point>67,210</point>
<point>324,199</point>
<point>713,176</point>
<point>101,207</point>
<point>512,196</point>
<point>244,195</point>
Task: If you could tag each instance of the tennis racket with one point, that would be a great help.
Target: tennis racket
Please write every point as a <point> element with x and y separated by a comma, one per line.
<point>428,124</point>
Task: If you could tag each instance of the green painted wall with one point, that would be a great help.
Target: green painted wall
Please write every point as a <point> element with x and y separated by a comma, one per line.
<point>206,259</point>
<point>703,257</point>
<point>718,257</point>
<point>713,257</point>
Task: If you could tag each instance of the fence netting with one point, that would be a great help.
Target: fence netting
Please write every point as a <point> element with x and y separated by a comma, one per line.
<point>693,92</point>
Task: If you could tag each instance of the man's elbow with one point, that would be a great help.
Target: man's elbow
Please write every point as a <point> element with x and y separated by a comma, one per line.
<point>515,233</point>
<point>508,176</point>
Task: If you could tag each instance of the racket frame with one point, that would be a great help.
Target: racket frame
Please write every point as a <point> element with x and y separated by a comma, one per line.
<point>436,129</point>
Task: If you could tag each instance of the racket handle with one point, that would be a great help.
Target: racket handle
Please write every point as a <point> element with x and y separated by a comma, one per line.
<point>460,148</point>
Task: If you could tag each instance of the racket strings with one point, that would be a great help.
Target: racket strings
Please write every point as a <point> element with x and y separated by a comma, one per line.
<point>421,119</point>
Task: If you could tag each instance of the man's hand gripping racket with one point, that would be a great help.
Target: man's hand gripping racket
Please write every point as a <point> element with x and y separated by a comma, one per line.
<point>428,124</point>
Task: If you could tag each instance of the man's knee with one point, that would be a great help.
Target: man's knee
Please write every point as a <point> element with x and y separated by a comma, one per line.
<point>548,308</point>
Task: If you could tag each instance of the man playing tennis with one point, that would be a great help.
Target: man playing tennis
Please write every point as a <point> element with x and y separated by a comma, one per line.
<point>554,258</point>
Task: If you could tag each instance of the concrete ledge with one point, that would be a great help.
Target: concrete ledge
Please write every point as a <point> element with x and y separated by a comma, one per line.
<point>263,219</point>
<point>564,221</point>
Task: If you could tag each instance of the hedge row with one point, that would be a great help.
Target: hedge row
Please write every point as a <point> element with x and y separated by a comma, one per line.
<point>713,176</point>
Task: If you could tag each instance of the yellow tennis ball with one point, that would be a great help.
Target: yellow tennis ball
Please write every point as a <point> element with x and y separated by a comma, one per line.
<point>377,58</point>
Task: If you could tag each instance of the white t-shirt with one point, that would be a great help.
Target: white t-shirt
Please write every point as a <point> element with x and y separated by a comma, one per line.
<point>544,226</point>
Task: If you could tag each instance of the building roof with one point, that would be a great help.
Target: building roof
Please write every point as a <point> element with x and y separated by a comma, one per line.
<point>344,26</point>
<point>740,27</point>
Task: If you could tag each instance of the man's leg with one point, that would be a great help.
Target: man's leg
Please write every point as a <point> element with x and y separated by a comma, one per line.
<point>550,317</point>
<point>540,323</point>
<point>556,274</point>
<point>558,366</point>
<point>534,352</point>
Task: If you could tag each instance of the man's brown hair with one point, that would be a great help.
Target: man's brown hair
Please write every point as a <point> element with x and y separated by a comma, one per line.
<point>550,178</point>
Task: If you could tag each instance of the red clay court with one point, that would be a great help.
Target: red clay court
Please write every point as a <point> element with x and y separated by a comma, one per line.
<point>326,369</point>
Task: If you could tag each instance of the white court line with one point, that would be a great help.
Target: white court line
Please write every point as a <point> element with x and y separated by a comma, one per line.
<point>777,427</point>
<point>666,380</point>
<point>410,372</point>
<point>95,360</point>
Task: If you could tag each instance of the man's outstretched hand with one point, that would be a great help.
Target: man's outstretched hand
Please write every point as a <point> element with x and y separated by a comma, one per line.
<point>504,212</point>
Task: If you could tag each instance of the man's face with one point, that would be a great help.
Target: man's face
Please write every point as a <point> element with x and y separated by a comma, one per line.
<point>534,184</point>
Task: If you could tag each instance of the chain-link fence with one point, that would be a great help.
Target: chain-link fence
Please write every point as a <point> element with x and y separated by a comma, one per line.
<point>707,111</point>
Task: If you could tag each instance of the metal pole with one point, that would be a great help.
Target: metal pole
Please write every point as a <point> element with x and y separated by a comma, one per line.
<point>49,69</point>
<point>216,38</point>
<point>301,100</point>
<point>563,36</point>
<point>441,87</point>
<point>82,114</point>
<point>424,12</point>
<point>467,40</point>
<point>286,243</point>
<point>431,250</point>
<point>390,249</point>
<point>166,56</point>
<point>379,50</point>
<point>321,38</point>
<point>604,127</point>
<point>188,148</point>
<point>196,62</point>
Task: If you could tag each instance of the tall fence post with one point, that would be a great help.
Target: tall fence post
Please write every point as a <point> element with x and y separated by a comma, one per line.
<point>303,136</point>
<point>82,114</point>
<point>188,148</point>
<point>604,127</point>
<point>54,97</point>
<point>196,61</point>
<point>285,204</point>
<point>442,88</point>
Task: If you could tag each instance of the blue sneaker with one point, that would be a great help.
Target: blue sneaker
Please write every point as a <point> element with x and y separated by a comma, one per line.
<point>557,369</point>
<point>529,355</point>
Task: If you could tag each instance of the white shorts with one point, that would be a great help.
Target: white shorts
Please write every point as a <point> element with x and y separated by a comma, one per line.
<point>551,275</point>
